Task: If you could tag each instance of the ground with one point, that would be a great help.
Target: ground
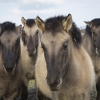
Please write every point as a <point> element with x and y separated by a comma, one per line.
<point>32,93</point>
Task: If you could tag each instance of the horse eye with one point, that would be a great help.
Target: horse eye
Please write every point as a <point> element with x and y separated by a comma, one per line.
<point>95,37</point>
<point>23,32</point>
<point>17,41</point>
<point>25,35</point>
<point>43,47</point>
<point>93,33</point>
<point>65,46</point>
<point>1,43</point>
<point>37,31</point>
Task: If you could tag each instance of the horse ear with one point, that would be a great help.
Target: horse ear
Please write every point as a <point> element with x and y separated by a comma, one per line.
<point>88,23</point>
<point>23,21</point>
<point>67,22</point>
<point>40,23</point>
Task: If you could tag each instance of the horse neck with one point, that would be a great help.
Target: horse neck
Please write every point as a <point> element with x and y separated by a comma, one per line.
<point>72,73</point>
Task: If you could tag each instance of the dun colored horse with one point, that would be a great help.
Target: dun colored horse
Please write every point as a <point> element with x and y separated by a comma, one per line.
<point>64,70</point>
<point>91,42</point>
<point>10,70</point>
<point>29,44</point>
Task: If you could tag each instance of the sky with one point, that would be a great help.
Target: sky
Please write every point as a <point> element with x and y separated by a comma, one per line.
<point>81,10</point>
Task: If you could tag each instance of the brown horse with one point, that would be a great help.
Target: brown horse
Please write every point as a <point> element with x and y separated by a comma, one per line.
<point>29,44</point>
<point>92,37</point>
<point>10,70</point>
<point>67,67</point>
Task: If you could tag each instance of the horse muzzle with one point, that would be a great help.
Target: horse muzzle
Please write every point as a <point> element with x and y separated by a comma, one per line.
<point>9,70</point>
<point>31,52</point>
<point>55,85</point>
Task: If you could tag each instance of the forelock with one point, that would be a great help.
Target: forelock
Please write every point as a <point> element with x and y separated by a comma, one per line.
<point>7,26</point>
<point>30,22</point>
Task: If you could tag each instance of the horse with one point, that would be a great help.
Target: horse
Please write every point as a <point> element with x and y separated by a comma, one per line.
<point>29,45</point>
<point>64,67</point>
<point>10,69</point>
<point>92,37</point>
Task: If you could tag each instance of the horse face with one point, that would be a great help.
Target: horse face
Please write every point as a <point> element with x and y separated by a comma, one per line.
<point>30,37</point>
<point>10,45</point>
<point>55,44</point>
<point>95,30</point>
<point>56,51</point>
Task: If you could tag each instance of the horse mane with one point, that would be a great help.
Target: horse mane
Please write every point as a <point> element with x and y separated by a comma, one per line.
<point>54,24</point>
<point>7,26</point>
<point>96,23</point>
<point>30,22</point>
<point>75,34</point>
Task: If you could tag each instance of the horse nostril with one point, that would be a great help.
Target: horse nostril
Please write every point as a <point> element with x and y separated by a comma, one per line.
<point>59,82</point>
<point>34,51</point>
<point>30,51</point>
<point>56,83</point>
<point>9,65</point>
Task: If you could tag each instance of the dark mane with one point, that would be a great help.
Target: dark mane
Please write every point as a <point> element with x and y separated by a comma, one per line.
<point>30,22</point>
<point>54,25</point>
<point>75,34</point>
<point>95,22</point>
<point>7,26</point>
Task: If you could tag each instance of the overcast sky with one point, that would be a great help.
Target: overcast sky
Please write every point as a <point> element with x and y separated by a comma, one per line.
<point>81,10</point>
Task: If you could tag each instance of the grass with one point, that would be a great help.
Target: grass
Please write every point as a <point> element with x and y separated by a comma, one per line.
<point>31,84</point>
